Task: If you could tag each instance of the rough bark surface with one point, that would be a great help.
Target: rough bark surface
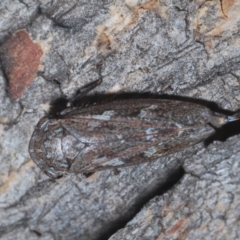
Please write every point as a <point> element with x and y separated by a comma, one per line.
<point>186,48</point>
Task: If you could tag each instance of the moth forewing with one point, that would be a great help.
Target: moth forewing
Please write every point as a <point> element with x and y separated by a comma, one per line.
<point>118,133</point>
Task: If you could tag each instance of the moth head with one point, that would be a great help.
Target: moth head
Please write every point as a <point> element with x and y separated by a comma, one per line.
<point>45,148</point>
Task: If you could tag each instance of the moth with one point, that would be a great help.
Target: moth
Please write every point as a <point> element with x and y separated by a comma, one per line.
<point>118,133</point>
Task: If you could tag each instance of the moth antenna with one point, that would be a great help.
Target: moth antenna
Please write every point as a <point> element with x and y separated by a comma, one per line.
<point>87,88</point>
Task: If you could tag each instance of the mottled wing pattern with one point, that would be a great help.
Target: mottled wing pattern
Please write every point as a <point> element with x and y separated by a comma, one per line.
<point>133,131</point>
<point>116,134</point>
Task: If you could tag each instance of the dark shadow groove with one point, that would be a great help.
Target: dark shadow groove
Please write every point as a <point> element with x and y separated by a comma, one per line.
<point>160,189</point>
<point>223,133</point>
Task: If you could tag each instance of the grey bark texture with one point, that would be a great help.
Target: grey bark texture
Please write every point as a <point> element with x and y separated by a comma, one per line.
<point>187,48</point>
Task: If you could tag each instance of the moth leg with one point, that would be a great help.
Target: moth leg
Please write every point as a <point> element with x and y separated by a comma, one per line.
<point>87,88</point>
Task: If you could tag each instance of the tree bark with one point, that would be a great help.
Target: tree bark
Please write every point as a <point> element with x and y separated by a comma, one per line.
<point>184,48</point>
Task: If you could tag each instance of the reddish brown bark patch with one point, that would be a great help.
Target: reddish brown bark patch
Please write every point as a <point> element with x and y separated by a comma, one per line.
<point>20,59</point>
